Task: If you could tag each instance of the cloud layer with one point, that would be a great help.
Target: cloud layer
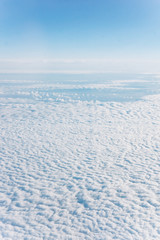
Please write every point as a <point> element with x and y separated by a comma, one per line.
<point>77,169</point>
<point>79,65</point>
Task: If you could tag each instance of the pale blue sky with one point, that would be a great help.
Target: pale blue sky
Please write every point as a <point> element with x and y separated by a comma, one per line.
<point>79,35</point>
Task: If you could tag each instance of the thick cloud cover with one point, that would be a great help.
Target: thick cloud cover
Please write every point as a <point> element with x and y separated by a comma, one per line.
<point>76,168</point>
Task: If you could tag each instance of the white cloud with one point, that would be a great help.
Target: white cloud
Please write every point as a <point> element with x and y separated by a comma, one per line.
<point>79,65</point>
<point>78,169</point>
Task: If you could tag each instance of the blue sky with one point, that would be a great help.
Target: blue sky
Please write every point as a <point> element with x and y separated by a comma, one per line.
<point>80,35</point>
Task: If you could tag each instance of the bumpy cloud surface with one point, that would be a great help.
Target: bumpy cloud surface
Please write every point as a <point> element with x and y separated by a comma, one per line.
<point>75,167</point>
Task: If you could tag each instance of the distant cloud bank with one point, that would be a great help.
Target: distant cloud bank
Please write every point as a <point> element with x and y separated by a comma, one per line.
<point>78,65</point>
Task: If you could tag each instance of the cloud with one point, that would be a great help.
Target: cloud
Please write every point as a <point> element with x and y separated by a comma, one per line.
<point>78,65</point>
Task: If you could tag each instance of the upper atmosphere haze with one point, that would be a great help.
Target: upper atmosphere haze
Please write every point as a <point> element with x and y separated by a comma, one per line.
<point>79,36</point>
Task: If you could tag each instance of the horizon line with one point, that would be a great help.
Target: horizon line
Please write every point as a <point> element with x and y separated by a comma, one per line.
<point>76,72</point>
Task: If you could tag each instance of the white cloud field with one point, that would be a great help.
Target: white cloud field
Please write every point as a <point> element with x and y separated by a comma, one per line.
<point>76,164</point>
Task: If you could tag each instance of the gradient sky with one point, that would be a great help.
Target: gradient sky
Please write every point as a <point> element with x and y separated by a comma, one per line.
<point>80,35</point>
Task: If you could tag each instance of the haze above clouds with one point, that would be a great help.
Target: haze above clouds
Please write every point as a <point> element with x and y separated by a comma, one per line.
<point>85,36</point>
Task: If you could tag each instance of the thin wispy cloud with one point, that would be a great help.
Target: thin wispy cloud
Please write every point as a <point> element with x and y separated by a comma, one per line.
<point>78,65</point>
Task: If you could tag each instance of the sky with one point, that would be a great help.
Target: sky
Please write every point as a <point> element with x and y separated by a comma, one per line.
<point>79,36</point>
